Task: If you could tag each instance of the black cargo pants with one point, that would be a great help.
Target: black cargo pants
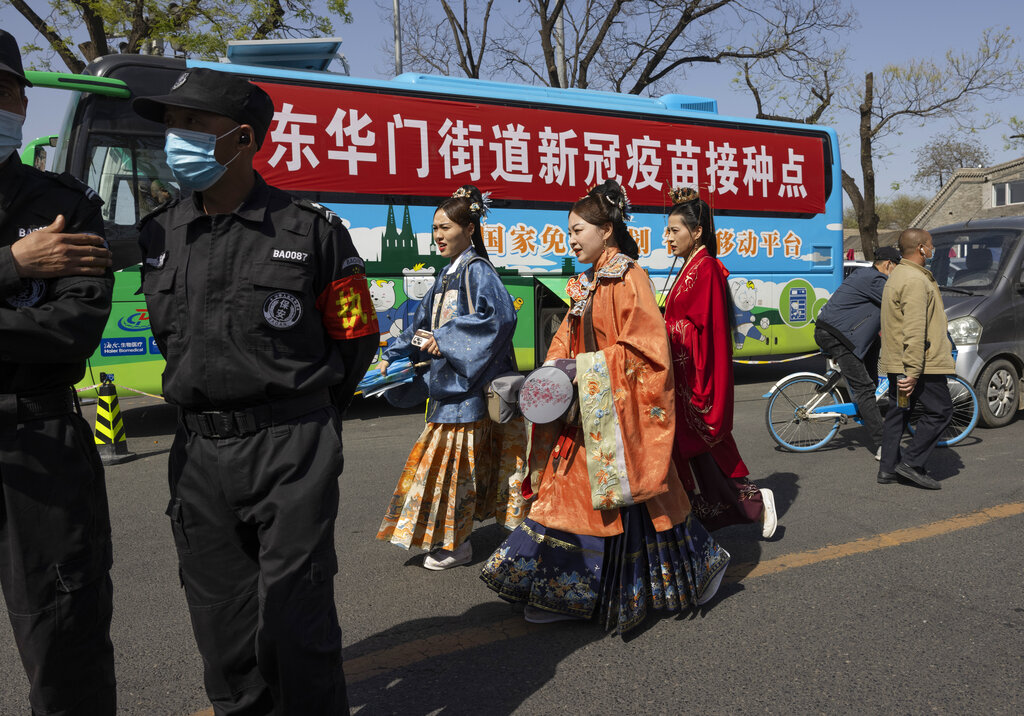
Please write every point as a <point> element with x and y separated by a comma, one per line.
<point>253,522</point>
<point>55,559</point>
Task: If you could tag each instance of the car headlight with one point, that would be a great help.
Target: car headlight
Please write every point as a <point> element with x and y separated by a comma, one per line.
<point>966,331</point>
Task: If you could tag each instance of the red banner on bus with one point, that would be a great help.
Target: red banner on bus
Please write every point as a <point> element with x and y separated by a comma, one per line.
<point>339,140</point>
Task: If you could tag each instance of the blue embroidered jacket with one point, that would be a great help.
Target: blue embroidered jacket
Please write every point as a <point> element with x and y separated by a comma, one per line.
<point>475,343</point>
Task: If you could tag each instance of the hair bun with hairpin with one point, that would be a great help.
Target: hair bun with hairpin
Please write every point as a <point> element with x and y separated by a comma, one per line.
<point>479,204</point>
<point>615,195</point>
<point>683,195</point>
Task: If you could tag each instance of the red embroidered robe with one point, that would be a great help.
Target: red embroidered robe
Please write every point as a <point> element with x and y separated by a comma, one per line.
<point>699,330</point>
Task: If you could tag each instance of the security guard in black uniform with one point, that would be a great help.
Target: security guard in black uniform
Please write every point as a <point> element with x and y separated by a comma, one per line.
<point>259,303</point>
<point>55,555</point>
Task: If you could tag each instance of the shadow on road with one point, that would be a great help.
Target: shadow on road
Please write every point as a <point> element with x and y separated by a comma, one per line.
<point>487,660</point>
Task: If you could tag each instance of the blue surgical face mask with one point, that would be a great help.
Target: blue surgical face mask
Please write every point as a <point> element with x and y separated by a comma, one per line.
<point>10,133</point>
<point>191,159</point>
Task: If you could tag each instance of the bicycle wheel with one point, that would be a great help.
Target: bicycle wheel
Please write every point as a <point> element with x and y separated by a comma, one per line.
<point>788,416</point>
<point>965,412</point>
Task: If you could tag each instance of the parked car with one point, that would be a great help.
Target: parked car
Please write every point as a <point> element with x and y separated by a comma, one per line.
<point>851,266</point>
<point>978,265</point>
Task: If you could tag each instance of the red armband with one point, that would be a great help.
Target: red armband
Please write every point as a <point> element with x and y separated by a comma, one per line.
<point>347,309</point>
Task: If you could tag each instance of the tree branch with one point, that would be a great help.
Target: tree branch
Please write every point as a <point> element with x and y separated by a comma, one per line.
<point>59,45</point>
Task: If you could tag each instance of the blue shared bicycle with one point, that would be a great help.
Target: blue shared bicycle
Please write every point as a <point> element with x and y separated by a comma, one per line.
<point>806,410</point>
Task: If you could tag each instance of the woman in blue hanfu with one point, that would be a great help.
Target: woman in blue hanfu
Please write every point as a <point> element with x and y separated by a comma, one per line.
<point>463,467</point>
<point>610,533</point>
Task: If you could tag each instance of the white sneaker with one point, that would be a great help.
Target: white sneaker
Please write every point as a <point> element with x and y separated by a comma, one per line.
<point>536,615</point>
<point>769,518</point>
<point>446,559</point>
<point>878,454</point>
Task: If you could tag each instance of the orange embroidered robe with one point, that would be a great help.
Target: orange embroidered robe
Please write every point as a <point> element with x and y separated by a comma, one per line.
<point>627,401</point>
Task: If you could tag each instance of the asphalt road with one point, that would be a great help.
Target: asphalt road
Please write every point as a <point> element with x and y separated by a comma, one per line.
<point>870,599</point>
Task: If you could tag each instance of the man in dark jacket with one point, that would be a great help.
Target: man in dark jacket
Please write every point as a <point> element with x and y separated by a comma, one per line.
<point>847,331</point>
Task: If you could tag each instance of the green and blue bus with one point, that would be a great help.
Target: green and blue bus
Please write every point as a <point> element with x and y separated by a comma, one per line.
<point>382,153</point>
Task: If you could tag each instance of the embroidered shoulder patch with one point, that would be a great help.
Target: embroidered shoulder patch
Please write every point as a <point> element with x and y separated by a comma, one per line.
<point>31,293</point>
<point>282,310</point>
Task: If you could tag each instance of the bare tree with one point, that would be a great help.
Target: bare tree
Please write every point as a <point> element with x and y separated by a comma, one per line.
<point>938,159</point>
<point>628,46</point>
<point>919,91</point>
<point>447,42</point>
<point>923,90</point>
<point>79,31</point>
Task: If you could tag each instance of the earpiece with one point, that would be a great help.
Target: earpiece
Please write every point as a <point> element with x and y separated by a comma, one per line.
<point>243,138</point>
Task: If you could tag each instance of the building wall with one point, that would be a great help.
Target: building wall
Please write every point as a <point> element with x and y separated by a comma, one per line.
<point>969,195</point>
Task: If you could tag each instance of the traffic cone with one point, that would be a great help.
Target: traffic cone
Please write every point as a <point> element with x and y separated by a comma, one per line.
<point>111,442</point>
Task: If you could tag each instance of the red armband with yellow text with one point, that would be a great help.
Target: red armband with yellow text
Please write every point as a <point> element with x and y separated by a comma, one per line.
<point>347,309</point>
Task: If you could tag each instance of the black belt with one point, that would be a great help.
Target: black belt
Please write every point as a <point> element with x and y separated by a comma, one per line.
<point>246,421</point>
<point>16,409</point>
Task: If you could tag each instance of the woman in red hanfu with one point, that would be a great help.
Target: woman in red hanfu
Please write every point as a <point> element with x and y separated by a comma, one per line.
<point>697,316</point>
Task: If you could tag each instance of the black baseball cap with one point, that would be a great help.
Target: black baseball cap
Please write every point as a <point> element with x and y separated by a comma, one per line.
<point>10,57</point>
<point>888,253</point>
<point>222,93</point>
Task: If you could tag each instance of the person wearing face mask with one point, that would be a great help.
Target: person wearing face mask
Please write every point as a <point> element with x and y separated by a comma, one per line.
<point>917,355</point>
<point>698,319</point>
<point>260,305</point>
<point>610,534</point>
<point>55,549</point>
<point>463,466</point>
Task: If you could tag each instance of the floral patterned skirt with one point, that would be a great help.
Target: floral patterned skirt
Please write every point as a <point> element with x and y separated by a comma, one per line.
<point>719,500</point>
<point>455,474</point>
<point>614,578</point>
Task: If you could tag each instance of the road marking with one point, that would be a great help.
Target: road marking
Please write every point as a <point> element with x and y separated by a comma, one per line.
<point>888,539</point>
<point>406,654</point>
<point>383,661</point>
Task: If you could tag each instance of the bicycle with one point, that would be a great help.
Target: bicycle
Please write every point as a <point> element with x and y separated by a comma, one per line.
<point>805,410</point>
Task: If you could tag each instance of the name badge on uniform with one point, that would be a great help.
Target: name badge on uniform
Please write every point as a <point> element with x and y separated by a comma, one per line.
<point>282,310</point>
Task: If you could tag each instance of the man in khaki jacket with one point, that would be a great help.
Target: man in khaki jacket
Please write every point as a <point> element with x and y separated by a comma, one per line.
<point>917,356</point>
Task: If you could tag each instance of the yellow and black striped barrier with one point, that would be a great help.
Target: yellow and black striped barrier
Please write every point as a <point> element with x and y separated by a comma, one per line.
<point>111,440</point>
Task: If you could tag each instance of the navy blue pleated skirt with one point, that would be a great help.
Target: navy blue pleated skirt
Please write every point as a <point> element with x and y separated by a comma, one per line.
<point>614,578</point>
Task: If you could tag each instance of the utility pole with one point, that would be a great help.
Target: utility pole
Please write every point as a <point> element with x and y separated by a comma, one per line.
<point>398,38</point>
<point>560,48</point>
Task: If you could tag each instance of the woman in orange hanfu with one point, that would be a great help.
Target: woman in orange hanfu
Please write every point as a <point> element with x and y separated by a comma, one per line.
<point>697,315</point>
<point>610,533</point>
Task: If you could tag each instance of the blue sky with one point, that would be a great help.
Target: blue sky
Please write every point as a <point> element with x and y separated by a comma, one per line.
<point>893,31</point>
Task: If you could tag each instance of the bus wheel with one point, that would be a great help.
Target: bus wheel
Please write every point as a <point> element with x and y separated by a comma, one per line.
<point>997,393</point>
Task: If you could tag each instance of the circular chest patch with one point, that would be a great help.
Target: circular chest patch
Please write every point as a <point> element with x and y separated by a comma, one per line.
<point>31,293</point>
<point>282,310</point>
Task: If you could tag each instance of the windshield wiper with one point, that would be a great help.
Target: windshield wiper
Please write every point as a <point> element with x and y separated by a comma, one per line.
<point>964,291</point>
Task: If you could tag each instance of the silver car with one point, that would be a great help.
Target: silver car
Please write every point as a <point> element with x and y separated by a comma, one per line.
<point>978,266</point>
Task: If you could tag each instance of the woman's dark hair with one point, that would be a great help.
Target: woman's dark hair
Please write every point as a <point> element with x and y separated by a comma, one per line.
<point>607,204</point>
<point>466,207</point>
<point>693,212</point>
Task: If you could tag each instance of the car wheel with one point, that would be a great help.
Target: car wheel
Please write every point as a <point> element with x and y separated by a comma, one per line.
<point>997,393</point>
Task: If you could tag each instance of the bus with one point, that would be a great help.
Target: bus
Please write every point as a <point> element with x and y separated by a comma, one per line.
<point>381,154</point>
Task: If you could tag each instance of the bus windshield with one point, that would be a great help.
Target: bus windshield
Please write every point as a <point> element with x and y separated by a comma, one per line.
<point>132,178</point>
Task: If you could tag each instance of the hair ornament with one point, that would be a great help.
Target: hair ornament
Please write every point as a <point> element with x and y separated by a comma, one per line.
<point>683,195</point>
<point>622,202</point>
<point>479,204</point>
